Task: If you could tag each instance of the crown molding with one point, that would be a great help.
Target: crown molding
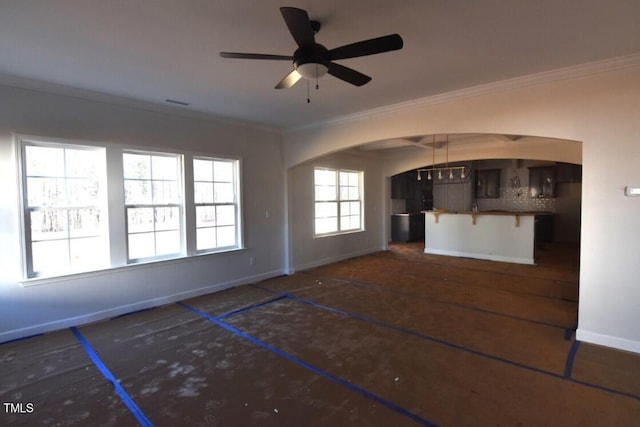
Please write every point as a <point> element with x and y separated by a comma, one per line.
<point>565,73</point>
<point>122,101</point>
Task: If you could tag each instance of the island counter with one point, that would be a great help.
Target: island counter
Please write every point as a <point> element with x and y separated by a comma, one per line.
<point>497,236</point>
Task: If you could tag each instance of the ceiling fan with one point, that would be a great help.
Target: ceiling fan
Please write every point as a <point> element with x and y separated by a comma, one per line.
<point>312,60</point>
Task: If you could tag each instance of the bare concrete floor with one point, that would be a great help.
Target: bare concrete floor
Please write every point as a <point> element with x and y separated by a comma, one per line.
<point>391,339</point>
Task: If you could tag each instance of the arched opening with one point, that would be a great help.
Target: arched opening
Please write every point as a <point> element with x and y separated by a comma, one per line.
<point>590,117</point>
<point>485,172</point>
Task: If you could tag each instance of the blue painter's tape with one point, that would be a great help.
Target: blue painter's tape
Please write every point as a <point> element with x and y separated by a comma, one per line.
<point>571,357</point>
<point>568,333</point>
<point>452,345</point>
<point>410,332</point>
<point>135,410</point>
<point>435,300</point>
<point>251,307</point>
<point>460,282</point>
<point>311,368</point>
<point>21,339</point>
<point>132,312</point>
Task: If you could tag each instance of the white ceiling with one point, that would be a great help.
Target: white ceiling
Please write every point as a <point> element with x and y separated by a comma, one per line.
<point>152,50</point>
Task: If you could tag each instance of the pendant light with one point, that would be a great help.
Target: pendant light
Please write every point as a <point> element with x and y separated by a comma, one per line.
<point>432,170</point>
<point>450,170</point>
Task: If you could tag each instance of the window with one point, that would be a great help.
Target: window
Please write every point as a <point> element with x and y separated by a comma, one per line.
<point>64,216</point>
<point>153,204</point>
<point>338,201</point>
<point>216,200</point>
<point>87,207</point>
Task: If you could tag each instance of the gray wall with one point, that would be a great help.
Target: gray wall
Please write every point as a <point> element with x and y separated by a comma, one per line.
<point>309,251</point>
<point>88,297</point>
<point>594,105</point>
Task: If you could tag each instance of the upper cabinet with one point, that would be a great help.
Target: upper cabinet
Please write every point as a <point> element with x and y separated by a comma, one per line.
<point>399,186</point>
<point>568,172</point>
<point>542,181</point>
<point>487,184</point>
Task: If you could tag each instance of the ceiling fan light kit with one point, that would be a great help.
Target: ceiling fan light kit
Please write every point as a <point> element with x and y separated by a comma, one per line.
<point>311,71</point>
<point>312,60</point>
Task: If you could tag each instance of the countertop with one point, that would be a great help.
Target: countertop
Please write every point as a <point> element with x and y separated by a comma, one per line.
<point>496,212</point>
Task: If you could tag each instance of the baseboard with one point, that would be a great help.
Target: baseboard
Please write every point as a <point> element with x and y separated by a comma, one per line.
<point>608,341</point>
<point>329,260</point>
<point>129,308</point>
<point>475,255</point>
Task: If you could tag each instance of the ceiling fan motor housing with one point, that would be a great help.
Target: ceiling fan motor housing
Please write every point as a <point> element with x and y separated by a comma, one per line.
<point>312,62</point>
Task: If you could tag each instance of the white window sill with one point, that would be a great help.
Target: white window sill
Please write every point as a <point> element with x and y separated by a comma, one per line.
<point>36,281</point>
<point>338,233</point>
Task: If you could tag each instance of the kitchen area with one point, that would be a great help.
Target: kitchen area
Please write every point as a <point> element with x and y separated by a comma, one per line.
<point>499,209</point>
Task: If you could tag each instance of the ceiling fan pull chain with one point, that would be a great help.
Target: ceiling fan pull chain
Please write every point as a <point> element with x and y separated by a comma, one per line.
<point>308,99</point>
<point>317,86</point>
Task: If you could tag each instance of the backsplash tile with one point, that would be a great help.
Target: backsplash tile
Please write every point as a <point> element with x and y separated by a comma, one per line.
<point>517,200</point>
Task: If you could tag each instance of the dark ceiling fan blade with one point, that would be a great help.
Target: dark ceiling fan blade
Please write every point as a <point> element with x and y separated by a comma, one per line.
<point>239,55</point>
<point>289,80</point>
<point>347,74</point>
<point>367,47</point>
<point>299,25</point>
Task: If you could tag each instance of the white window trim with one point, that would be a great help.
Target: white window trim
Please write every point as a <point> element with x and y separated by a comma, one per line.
<point>338,200</point>
<point>22,142</point>
<point>115,211</point>
<point>180,205</point>
<point>237,203</point>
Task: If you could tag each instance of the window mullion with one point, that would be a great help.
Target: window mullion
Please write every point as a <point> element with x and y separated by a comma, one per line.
<point>47,170</point>
<point>329,221</point>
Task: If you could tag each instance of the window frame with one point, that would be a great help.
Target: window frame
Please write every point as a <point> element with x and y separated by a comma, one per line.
<point>236,203</point>
<point>179,158</point>
<point>338,200</point>
<point>28,264</point>
<point>113,207</point>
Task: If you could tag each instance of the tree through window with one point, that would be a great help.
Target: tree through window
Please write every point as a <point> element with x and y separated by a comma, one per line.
<point>338,201</point>
<point>65,221</point>
<point>153,204</point>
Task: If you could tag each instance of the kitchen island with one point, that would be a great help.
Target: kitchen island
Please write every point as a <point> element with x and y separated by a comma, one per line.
<point>493,235</point>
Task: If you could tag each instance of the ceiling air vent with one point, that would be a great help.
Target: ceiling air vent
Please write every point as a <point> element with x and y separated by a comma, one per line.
<point>173,101</point>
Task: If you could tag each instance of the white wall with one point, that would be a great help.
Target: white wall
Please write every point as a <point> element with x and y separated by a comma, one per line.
<point>597,104</point>
<point>34,309</point>
<point>309,251</point>
<point>491,237</point>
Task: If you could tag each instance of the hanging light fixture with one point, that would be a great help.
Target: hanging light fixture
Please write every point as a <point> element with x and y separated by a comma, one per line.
<point>433,169</point>
<point>450,170</point>
<point>433,156</point>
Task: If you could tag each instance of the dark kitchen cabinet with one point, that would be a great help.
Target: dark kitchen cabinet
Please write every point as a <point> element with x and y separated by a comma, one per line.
<point>487,184</point>
<point>542,181</point>
<point>544,226</point>
<point>407,227</point>
<point>418,193</point>
<point>399,186</point>
<point>567,172</point>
